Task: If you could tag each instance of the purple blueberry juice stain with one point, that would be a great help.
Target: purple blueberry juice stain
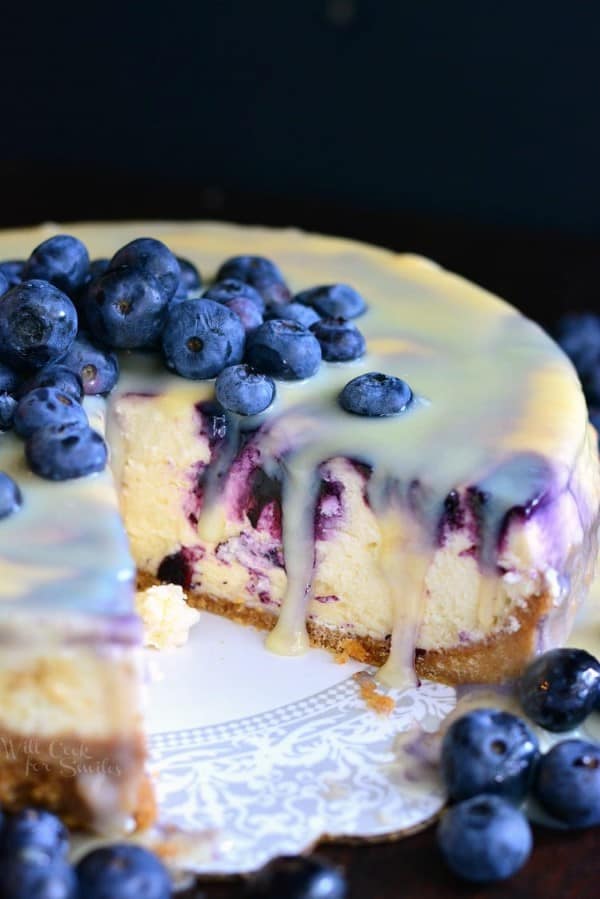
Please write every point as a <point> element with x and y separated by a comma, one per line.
<point>325,599</point>
<point>178,568</point>
<point>329,508</point>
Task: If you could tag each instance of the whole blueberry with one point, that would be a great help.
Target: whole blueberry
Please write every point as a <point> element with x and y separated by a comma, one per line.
<point>46,406</point>
<point>375,394</point>
<point>201,338</point>
<point>190,279</point>
<point>260,273</point>
<point>297,877</point>
<point>33,878</point>
<point>126,309</point>
<point>484,839</point>
<point>340,340</point>
<point>98,267</point>
<point>12,269</point>
<point>61,452</point>
<point>296,312</point>
<point>151,257</point>
<point>10,496</point>
<point>62,260</point>
<point>9,379</point>
<point>567,783</point>
<point>246,311</point>
<point>38,324</point>
<point>284,350</point>
<point>37,829</point>
<point>4,285</point>
<point>231,289</point>
<point>96,365</point>
<point>242,390</point>
<point>578,333</point>
<point>8,407</point>
<point>559,688</point>
<point>56,375</point>
<point>124,871</point>
<point>333,300</point>
<point>488,751</point>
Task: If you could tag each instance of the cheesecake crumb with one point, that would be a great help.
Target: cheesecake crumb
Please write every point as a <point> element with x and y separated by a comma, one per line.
<point>166,616</point>
<point>378,702</point>
<point>351,649</point>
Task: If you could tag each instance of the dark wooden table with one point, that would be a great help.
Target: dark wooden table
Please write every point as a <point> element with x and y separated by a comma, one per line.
<point>543,273</point>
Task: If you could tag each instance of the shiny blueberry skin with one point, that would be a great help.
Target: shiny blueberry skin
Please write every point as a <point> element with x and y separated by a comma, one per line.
<point>10,496</point>
<point>567,783</point>
<point>578,333</point>
<point>201,338</point>
<point>340,340</point>
<point>484,839</point>
<point>230,289</point>
<point>12,269</point>
<point>297,877</point>
<point>4,285</point>
<point>61,452</point>
<point>375,395</point>
<point>34,829</point>
<point>558,690</point>
<point>125,309</point>
<point>333,300</point>
<point>296,312</point>
<point>8,407</point>
<point>96,365</point>
<point>62,260</point>
<point>190,278</point>
<point>151,257</point>
<point>56,375</point>
<point>488,751</point>
<point>284,349</point>
<point>46,406</point>
<point>244,391</point>
<point>260,273</point>
<point>37,878</point>
<point>38,324</point>
<point>124,871</point>
<point>246,311</point>
<point>9,379</point>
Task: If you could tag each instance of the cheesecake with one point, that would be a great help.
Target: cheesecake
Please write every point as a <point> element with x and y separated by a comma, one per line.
<point>452,540</point>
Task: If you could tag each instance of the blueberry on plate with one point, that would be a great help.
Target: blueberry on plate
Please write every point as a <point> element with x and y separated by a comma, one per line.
<point>284,349</point>
<point>296,312</point>
<point>125,308</point>
<point>578,333</point>
<point>98,267</point>
<point>340,340</point>
<point>34,828</point>
<point>484,839</point>
<point>260,273</point>
<point>190,279</point>
<point>96,365</point>
<point>244,391</point>
<point>124,871</point>
<point>33,878</point>
<point>375,394</point>
<point>558,690</point>
<point>246,311</point>
<point>567,783</point>
<point>150,257</point>
<point>231,289</point>
<point>9,379</point>
<point>201,338</point>
<point>8,406</point>
<point>10,496</point>
<point>62,452</point>
<point>56,375</point>
<point>62,260</point>
<point>488,751</point>
<point>4,285</point>
<point>12,269</point>
<point>333,300</point>
<point>38,324</point>
<point>47,406</point>
<point>297,877</point>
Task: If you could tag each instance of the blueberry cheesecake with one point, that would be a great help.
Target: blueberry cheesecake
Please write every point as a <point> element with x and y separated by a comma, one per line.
<point>400,470</point>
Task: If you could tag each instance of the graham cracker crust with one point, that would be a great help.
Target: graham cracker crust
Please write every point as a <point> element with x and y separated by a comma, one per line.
<point>500,657</point>
<point>52,773</point>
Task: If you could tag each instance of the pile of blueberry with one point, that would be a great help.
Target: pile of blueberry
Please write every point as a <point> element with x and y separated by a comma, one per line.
<point>491,762</point>
<point>62,316</point>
